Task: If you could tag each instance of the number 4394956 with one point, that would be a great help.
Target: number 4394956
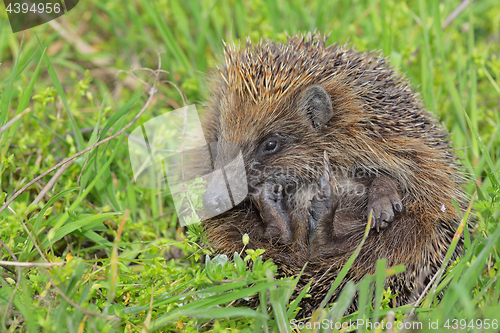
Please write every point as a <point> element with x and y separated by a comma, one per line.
<point>40,8</point>
<point>463,324</point>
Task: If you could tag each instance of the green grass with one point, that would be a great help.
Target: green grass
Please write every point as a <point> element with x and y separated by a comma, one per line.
<point>119,260</point>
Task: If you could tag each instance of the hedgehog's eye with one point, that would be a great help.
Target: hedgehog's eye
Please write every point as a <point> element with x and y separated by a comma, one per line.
<point>270,146</point>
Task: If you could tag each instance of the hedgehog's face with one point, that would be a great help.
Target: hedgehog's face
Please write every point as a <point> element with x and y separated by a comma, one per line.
<point>280,144</point>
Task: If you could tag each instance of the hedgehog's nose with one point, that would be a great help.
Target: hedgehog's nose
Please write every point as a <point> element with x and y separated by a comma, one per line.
<point>216,199</point>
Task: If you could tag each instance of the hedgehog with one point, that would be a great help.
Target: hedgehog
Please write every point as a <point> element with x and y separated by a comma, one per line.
<point>329,135</point>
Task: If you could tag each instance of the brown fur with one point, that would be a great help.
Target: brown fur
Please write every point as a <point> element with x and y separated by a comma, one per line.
<point>378,128</point>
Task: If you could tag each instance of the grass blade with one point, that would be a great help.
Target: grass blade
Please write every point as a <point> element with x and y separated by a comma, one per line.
<point>62,95</point>
<point>7,93</point>
<point>493,174</point>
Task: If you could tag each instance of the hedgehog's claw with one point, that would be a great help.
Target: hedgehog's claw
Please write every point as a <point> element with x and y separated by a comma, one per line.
<point>383,213</point>
<point>384,201</point>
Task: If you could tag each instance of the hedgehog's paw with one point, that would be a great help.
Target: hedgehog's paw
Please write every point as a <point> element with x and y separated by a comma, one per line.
<point>384,201</point>
<point>322,210</point>
<point>273,213</point>
<point>383,212</point>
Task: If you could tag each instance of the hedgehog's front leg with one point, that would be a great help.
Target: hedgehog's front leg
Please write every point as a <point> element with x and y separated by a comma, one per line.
<point>273,213</point>
<point>384,200</point>
<point>321,213</point>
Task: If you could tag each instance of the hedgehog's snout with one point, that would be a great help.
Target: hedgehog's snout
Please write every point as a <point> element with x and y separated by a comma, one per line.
<point>216,198</point>
<point>228,185</point>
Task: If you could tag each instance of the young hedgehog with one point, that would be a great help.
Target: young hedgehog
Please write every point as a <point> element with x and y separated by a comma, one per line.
<point>328,135</point>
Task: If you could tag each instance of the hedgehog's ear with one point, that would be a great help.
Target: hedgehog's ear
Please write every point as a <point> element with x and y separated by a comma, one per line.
<point>315,102</point>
